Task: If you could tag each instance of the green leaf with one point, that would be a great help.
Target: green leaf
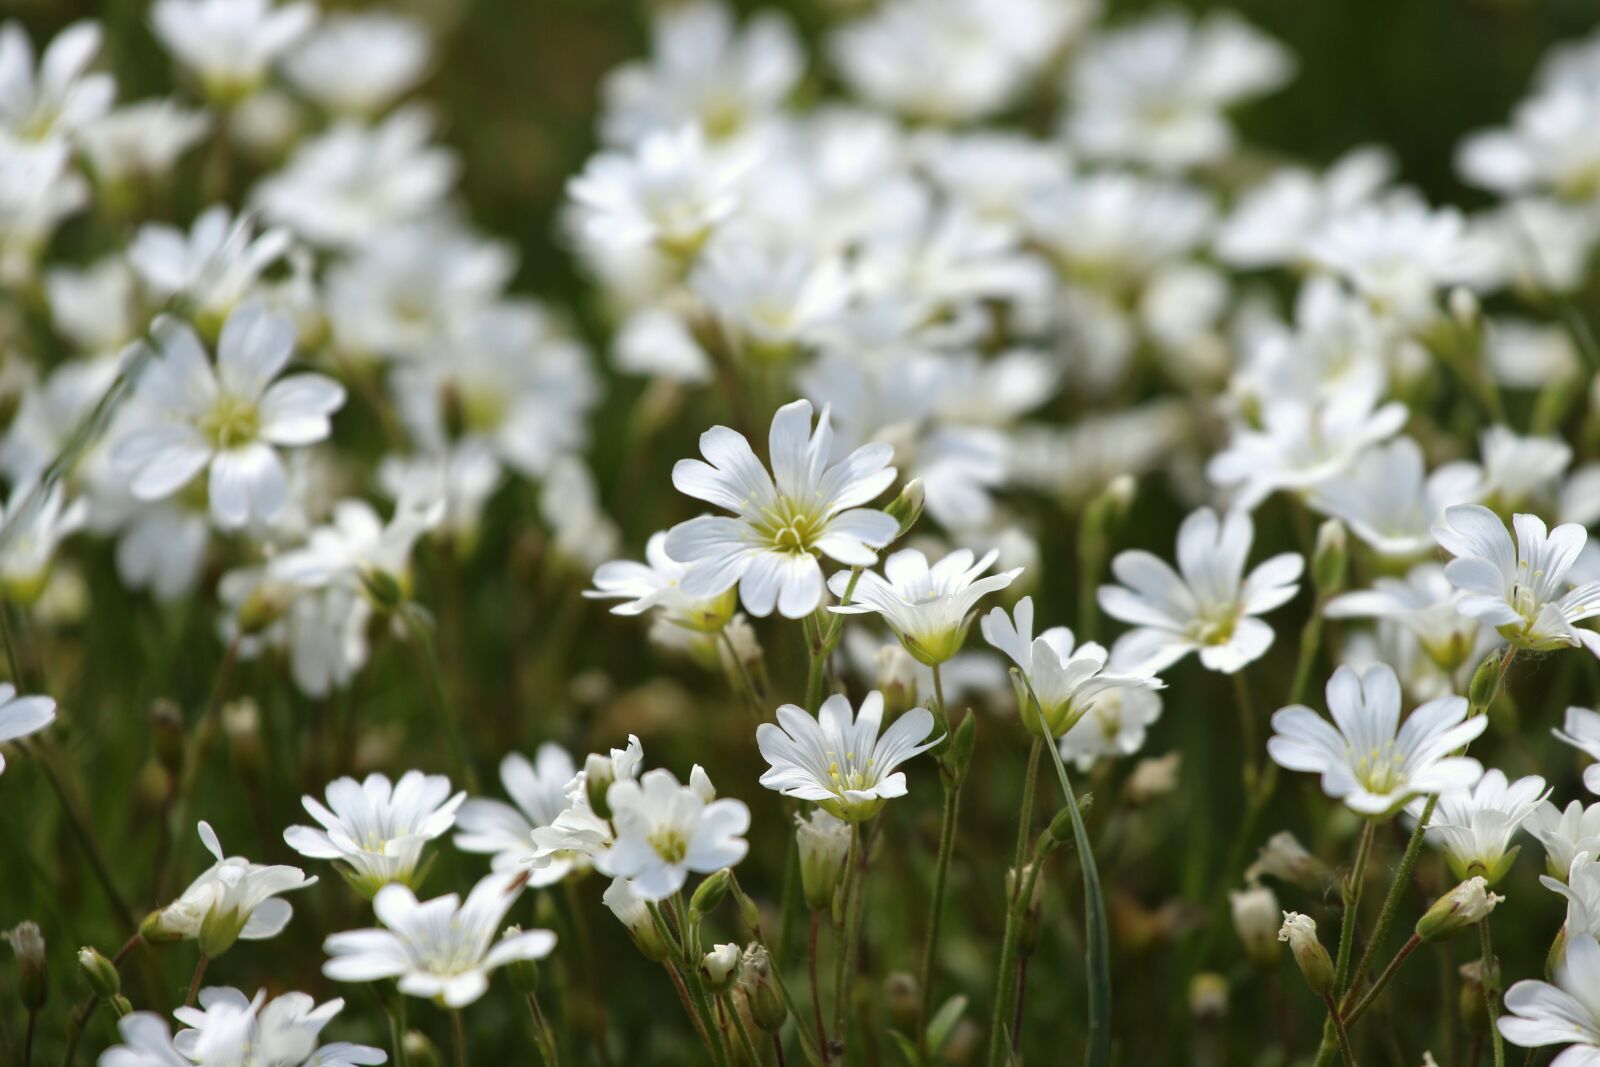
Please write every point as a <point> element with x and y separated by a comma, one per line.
<point>944,1021</point>
<point>1097,953</point>
<point>907,1047</point>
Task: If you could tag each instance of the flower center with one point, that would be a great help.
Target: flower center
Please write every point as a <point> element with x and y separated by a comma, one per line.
<point>1379,769</point>
<point>790,528</point>
<point>1216,627</point>
<point>670,844</point>
<point>850,776</point>
<point>231,422</point>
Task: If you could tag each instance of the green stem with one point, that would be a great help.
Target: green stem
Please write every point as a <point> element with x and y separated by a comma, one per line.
<point>1247,731</point>
<point>1310,642</point>
<point>1351,1014</point>
<point>731,1010</point>
<point>816,992</point>
<point>546,1036</point>
<point>459,1029</point>
<point>746,684</point>
<point>845,953</point>
<point>397,1027</point>
<point>1338,1027</point>
<point>947,840</point>
<point>1491,992</point>
<point>194,982</point>
<point>444,706</point>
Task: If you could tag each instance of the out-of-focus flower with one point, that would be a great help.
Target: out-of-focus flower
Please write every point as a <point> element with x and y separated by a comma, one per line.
<point>654,585</point>
<point>230,44</point>
<point>1581,730</point>
<point>59,98</point>
<point>229,1029</point>
<point>21,716</point>
<point>359,63</point>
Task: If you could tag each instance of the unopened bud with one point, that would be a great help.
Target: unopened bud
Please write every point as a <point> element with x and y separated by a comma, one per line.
<point>121,1005</point>
<point>1474,1012</point>
<point>33,979</point>
<point>634,913</point>
<point>241,723</point>
<point>1283,857</point>
<point>1465,905</point>
<point>824,844</point>
<point>961,745</point>
<point>1208,995</point>
<point>760,989</point>
<point>1331,557</point>
<point>900,995</point>
<point>1152,778</point>
<point>906,508</point>
<point>709,893</point>
<point>166,728</point>
<point>1485,682</point>
<point>1300,931</point>
<point>1061,831</point>
<point>99,973</point>
<point>1256,919</point>
<point>1464,307</point>
<point>420,1052</point>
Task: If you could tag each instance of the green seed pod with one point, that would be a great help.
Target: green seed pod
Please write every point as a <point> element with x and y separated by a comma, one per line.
<point>709,894</point>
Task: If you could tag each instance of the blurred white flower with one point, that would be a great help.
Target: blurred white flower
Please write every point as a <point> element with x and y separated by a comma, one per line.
<point>229,417</point>
<point>1113,727</point>
<point>21,716</point>
<point>142,141</point>
<point>654,585</point>
<point>1369,759</point>
<point>838,760</point>
<point>359,63</point>
<point>59,98</point>
<point>213,267</point>
<point>442,949</point>
<point>230,44</point>
<point>375,830</point>
<point>32,526</point>
<point>1207,606</point>
<point>811,506</point>
<point>1272,222</point>
<point>1388,499</point>
<point>538,793</point>
<point>1581,730</point>
<point>1426,604</point>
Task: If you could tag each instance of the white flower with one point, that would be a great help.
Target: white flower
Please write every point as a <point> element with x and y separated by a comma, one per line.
<point>353,182</point>
<point>668,192</point>
<point>230,1030</point>
<point>1258,921</point>
<point>232,899</point>
<point>1208,605</point>
<point>1582,731</point>
<point>782,522</point>
<point>1069,680</point>
<point>358,547</point>
<point>1271,222</point>
<point>1426,604</point>
<point>767,299</point>
<point>655,585</point>
<point>1564,833</point>
<point>1582,892</point>
<point>21,716</point>
<point>665,830</point>
<point>377,829</point>
<point>538,793</point>
<point>1388,499</point>
<point>443,949</point>
<point>227,417</point>
<point>843,766</point>
<point>93,308</point>
<point>32,526</point>
<point>213,266</point>
<point>1155,92</point>
<point>1114,725</point>
<point>1113,230</point>
<point>142,141</point>
<point>359,63</point>
<point>1524,590</point>
<point>1564,1013</point>
<point>703,70</point>
<point>1302,444</point>
<point>229,44</point>
<point>1366,756</point>
<point>719,965</point>
<point>928,608</point>
<point>1551,146</point>
<point>61,97</point>
<point>1475,826</point>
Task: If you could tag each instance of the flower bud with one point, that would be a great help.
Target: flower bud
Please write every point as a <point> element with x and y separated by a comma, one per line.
<point>760,989</point>
<point>1061,832</point>
<point>1283,857</point>
<point>1208,995</point>
<point>906,508</point>
<point>720,967</point>
<point>900,996</point>
<point>155,930</point>
<point>961,745</point>
<point>241,723</point>
<point>709,893</point>
<point>1465,905</point>
<point>1485,682</point>
<point>166,728</point>
<point>598,774</point>
<point>897,680</point>
<point>121,1005</point>
<point>99,973</point>
<point>632,911</point>
<point>421,1052</point>
<point>1256,919</point>
<point>824,843</point>
<point>1330,558</point>
<point>1301,933</point>
<point>1152,779</point>
<point>1464,307</point>
<point>1474,1012</point>
<point>523,974</point>
<point>33,979</point>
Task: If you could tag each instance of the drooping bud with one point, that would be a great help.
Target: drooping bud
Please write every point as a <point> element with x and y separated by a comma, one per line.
<point>634,913</point>
<point>720,967</point>
<point>1331,558</point>
<point>824,844</point>
<point>1300,931</point>
<point>1283,857</point>
<point>99,973</point>
<point>33,979</point>
<point>1256,919</point>
<point>1465,905</point>
<point>760,989</point>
